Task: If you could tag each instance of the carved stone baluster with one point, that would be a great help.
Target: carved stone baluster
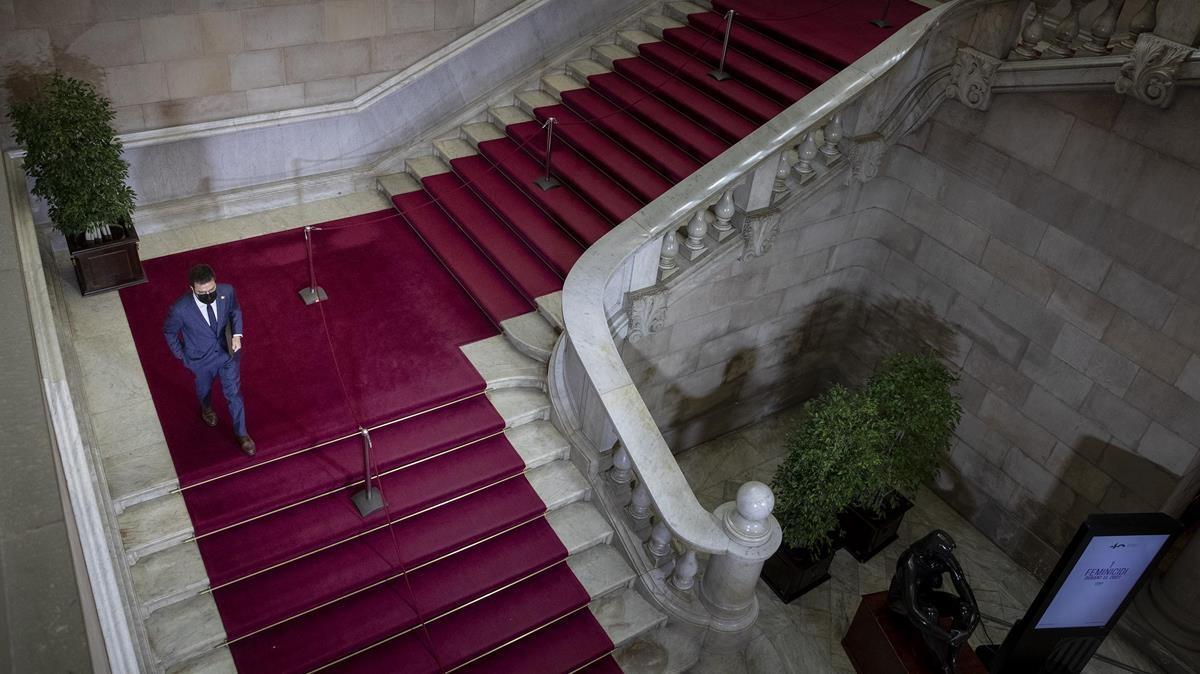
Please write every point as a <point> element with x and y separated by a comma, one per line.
<point>1103,28</point>
<point>724,210</point>
<point>640,510</point>
<point>1031,37</point>
<point>1144,21</point>
<point>659,545</point>
<point>782,171</point>
<point>833,136</point>
<point>697,228</point>
<point>620,475</point>
<point>666,259</point>
<point>683,577</point>
<point>1068,30</point>
<point>808,152</point>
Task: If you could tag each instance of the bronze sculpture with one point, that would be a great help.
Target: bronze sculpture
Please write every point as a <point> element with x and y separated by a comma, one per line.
<point>916,593</point>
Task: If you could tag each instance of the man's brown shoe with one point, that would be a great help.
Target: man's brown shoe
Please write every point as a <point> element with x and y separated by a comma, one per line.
<point>208,416</point>
<point>246,444</point>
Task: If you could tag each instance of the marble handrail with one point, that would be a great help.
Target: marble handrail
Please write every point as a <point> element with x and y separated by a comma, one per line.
<point>605,271</point>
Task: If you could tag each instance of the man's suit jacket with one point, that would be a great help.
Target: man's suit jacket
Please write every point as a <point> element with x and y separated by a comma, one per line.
<point>189,335</point>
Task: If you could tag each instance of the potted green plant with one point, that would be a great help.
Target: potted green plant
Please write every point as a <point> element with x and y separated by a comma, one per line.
<point>912,395</point>
<point>74,157</point>
<point>831,460</point>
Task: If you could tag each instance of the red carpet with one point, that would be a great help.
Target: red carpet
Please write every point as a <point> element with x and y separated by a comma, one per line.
<point>291,391</point>
<point>461,570</point>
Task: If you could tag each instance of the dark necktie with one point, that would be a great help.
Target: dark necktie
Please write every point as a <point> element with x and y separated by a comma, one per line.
<point>212,318</point>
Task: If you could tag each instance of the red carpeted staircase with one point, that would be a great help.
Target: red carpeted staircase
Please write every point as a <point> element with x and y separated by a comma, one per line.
<point>486,558</point>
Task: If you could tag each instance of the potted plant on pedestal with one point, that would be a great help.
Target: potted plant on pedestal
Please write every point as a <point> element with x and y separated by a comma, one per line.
<point>74,157</point>
<point>911,394</point>
<point>832,459</point>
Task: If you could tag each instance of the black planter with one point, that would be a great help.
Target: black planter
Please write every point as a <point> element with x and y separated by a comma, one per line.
<point>865,533</point>
<point>108,264</point>
<point>791,572</point>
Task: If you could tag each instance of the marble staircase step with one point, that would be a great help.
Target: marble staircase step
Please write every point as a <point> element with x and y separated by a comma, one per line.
<point>551,309</point>
<point>480,132</point>
<point>632,39</point>
<point>555,85</point>
<point>177,573</point>
<point>656,24</point>
<point>424,167</point>
<point>396,183</point>
<point>533,99</point>
<point>453,148</point>
<point>189,629</point>
<point>504,115</point>
<point>502,365</point>
<point>625,616</point>
<point>531,334</point>
<point>585,68</point>
<point>680,10</point>
<point>163,522</point>
<point>605,54</point>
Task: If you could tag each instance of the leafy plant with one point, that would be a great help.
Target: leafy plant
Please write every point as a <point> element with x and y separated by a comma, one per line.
<point>911,393</point>
<point>74,156</point>
<point>833,457</point>
<point>863,447</point>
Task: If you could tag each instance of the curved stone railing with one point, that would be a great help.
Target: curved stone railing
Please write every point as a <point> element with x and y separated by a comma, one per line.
<point>616,291</point>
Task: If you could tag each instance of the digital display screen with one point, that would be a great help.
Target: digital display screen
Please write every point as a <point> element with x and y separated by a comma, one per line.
<point>1102,577</point>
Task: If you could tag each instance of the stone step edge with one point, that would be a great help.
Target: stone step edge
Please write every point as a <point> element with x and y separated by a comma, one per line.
<point>166,521</point>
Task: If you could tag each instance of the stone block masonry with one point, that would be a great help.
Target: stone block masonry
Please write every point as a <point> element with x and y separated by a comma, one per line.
<point>1057,281</point>
<point>168,63</point>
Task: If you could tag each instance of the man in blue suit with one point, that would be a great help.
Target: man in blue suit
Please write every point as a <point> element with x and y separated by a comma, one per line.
<point>195,332</point>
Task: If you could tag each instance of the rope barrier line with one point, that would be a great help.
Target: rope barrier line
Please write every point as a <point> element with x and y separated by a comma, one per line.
<point>372,468</point>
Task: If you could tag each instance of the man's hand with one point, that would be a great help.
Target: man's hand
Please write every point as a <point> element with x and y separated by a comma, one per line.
<point>237,343</point>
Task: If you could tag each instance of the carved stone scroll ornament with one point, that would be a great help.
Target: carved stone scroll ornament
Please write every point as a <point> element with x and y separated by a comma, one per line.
<point>758,232</point>
<point>647,312</point>
<point>1150,73</point>
<point>971,78</point>
<point>866,157</point>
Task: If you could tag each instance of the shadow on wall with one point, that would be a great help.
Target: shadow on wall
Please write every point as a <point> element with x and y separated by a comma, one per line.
<point>839,338</point>
<point>1032,525</point>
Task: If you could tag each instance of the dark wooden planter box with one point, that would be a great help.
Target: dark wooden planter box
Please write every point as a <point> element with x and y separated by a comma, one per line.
<point>865,534</point>
<point>791,572</point>
<point>107,265</point>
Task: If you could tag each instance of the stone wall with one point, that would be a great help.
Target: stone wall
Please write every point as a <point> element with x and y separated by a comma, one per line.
<point>169,62</point>
<point>1049,250</point>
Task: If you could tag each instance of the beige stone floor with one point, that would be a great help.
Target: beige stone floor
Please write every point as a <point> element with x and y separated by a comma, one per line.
<point>120,412</point>
<point>805,636</point>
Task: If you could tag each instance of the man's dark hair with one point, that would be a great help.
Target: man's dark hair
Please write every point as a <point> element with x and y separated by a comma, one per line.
<point>199,274</point>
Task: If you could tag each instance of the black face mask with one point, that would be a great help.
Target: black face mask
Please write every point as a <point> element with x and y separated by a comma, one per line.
<point>207,298</point>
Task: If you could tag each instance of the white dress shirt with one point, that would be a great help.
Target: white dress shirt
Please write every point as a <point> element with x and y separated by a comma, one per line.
<point>204,310</point>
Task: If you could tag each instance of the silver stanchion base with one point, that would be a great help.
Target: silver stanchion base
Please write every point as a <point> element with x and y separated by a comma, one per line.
<point>368,501</point>
<point>547,183</point>
<point>719,75</point>
<point>313,295</point>
<point>881,23</point>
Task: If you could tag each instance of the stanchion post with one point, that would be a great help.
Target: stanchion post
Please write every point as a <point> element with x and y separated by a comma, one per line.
<point>369,499</point>
<point>547,181</point>
<point>882,21</point>
<point>719,74</point>
<point>313,293</point>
